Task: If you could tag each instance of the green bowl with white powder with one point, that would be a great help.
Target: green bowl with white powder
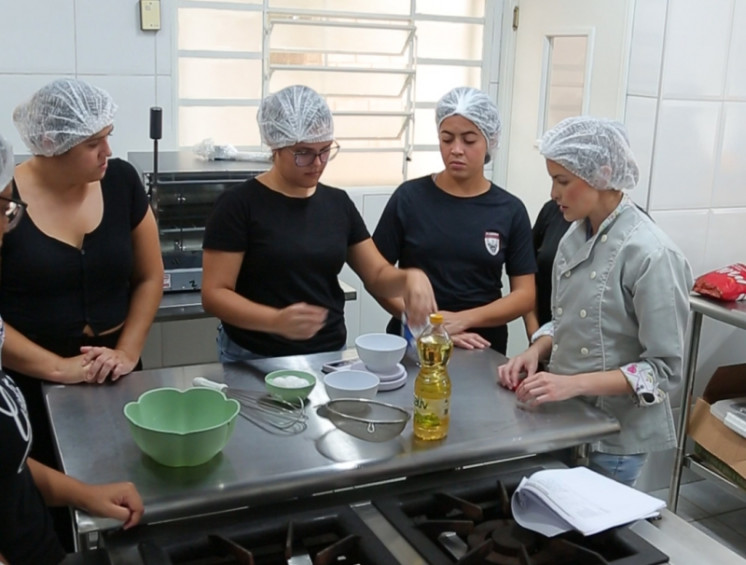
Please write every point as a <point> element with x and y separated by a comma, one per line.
<point>290,385</point>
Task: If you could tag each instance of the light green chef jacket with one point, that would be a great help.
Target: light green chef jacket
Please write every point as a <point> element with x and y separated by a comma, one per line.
<point>620,300</point>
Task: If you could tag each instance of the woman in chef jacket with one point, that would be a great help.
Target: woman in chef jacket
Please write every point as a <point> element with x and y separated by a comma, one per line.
<point>619,301</point>
<point>274,245</point>
<point>27,486</point>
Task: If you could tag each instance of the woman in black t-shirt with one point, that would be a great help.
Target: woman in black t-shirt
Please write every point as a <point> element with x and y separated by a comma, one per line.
<point>27,486</point>
<point>463,230</point>
<point>274,245</point>
<point>548,230</point>
<point>82,275</point>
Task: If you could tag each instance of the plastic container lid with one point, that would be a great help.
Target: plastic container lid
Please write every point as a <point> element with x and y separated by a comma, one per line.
<point>736,406</point>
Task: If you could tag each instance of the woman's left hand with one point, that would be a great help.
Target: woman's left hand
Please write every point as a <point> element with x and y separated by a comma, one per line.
<point>120,501</point>
<point>419,299</point>
<point>103,362</point>
<point>545,387</point>
<point>469,340</point>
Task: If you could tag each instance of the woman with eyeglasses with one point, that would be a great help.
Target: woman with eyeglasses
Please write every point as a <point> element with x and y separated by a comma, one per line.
<point>274,245</point>
<point>462,230</point>
<point>26,485</point>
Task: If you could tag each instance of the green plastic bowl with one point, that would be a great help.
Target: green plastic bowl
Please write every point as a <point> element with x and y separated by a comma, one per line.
<point>182,428</point>
<point>290,394</point>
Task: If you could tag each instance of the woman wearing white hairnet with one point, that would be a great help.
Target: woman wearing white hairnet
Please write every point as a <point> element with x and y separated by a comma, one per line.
<point>274,245</point>
<point>82,272</point>
<point>461,229</point>
<point>619,301</point>
<point>27,486</point>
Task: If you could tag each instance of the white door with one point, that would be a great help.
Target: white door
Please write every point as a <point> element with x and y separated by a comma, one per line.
<point>571,58</point>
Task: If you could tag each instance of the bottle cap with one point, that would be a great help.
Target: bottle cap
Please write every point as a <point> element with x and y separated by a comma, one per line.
<point>436,318</point>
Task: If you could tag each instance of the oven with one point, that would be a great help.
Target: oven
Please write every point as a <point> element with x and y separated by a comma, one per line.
<point>182,198</point>
<point>454,517</point>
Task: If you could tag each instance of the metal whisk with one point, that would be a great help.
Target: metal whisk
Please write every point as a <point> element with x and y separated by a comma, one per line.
<point>271,414</point>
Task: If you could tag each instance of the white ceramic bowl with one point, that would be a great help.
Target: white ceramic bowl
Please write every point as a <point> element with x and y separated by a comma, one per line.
<point>380,352</point>
<point>351,384</point>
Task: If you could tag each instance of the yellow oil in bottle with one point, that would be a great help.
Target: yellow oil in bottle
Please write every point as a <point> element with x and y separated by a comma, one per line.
<point>432,387</point>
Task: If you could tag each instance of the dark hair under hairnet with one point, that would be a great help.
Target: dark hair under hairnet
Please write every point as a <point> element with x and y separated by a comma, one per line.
<point>475,106</point>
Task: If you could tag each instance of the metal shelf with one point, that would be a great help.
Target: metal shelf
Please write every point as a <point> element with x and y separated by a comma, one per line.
<point>733,314</point>
<point>705,471</point>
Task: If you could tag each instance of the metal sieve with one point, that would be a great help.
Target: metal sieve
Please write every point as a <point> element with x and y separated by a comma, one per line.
<point>367,419</point>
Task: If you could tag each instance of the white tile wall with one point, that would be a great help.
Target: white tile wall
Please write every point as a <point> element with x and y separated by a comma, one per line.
<point>96,40</point>
<point>640,121</point>
<point>685,153</point>
<point>696,186</point>
<point>730,178</point>
<point>735,84</point>
<point>688,229</point>
<point>696,48</point>
<point>646,51</point>
<point>38,37</point>
<point>726,238</point>
<point>103,29</point>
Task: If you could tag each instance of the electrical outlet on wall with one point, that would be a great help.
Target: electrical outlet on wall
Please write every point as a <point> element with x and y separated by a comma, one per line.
<point>150,15</point>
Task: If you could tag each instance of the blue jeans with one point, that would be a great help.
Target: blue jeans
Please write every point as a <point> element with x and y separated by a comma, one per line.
<point>622,468</point>
<point>230,352</point>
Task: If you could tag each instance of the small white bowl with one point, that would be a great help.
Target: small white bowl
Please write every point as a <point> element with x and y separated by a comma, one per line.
<point>351,384</point>
<point>380,352</point>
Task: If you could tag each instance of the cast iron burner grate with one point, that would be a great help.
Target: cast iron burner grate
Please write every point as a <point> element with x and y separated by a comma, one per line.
<point>471,523</point>
<point>330,536</point>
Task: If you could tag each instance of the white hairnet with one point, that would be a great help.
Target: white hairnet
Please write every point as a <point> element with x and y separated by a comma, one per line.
<point>62,114</point>
<point>293,115</point>
<point>595,149</point>
<point>475,106</point>
<point>7,164</point>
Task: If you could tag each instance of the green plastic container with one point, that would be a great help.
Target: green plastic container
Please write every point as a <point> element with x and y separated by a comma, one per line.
<point>289,394</point>
<point>182,428</point>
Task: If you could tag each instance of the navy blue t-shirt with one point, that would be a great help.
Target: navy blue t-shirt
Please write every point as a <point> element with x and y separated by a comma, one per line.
<point>461,243</point>
<point>294,249</point>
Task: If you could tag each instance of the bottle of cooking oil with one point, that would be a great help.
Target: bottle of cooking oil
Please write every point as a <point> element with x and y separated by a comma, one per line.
<point>432,388</point>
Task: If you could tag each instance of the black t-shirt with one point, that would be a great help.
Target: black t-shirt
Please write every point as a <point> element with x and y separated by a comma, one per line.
<point>460,243</point>
<point>548,230</point>
<point>51,288</point>
<point>294,249</point>
<point>26,531</point>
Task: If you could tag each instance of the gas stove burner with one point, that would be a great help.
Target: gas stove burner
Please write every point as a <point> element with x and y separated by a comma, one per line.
<point>471,523</point>
<point>327,536</point>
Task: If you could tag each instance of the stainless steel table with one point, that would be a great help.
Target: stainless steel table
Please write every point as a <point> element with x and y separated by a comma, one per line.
<point>734,314</point>
<point>257,467</point>
<point>187,305</point>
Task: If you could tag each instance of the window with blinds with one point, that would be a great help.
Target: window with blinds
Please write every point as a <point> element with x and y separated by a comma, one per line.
<point>380,65</point>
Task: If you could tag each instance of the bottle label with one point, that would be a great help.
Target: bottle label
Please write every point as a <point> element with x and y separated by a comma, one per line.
<point>430,413</point>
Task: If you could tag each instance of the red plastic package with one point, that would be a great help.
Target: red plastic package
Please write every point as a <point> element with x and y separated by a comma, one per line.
<point>728,283</point>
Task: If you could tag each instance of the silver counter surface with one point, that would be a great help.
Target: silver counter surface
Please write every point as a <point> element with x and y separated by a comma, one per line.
<point>257,467</point>
<point>187,305</point>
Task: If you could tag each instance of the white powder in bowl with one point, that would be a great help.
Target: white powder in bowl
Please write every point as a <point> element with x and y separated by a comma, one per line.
<point>290,381</point>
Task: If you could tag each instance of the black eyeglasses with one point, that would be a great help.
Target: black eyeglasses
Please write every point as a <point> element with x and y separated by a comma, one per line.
<point>306,157</point>
<point>13,210</point>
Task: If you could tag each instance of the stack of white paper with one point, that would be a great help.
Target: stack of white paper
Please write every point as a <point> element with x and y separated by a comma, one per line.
<point>555,501</point>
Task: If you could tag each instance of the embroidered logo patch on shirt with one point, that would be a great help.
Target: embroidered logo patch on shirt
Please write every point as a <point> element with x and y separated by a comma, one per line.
<point>492,242</point>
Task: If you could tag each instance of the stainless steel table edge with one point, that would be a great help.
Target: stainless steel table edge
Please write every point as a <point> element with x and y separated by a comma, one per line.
<point>732,313</point>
